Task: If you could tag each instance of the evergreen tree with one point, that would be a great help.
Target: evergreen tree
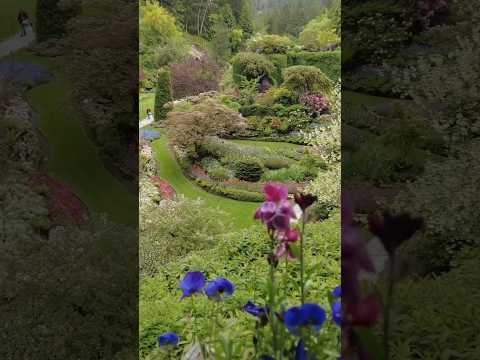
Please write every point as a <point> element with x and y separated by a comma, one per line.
<point>163,93</point>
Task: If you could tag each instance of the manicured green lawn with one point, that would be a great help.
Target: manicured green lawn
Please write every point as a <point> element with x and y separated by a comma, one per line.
<point>240,212</point>
<point>272,145</point>
<point>9,10</point>
<point>73,158</point>
<point>147,101</point>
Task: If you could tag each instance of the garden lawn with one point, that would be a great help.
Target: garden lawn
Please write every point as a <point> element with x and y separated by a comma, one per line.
<point>147,101</point>
<point>73,157</point>
<point>271,145</point>
<point>9,11</point>
<point>240,212</point>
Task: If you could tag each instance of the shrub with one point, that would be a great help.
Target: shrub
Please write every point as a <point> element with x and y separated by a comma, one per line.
<point>230,102</point>
<point>312,163</point>
<point>173,228</point>
<point>270,44</point>
<point>235,194</point>
<point>317,103</point>
<point>255,110</point>
<point>281,62</point>
<point>302,79</point>
<point>277,95</point>
<point>296,173</point>
<point>327,61</point>
<point>163,94</point>
<point>251,66</point>
<point>52,18</point>
<point>247,168</point>
<point>326,186</point>
<point>193,76</point>
<point>188,130</point>
<point>446,197</point>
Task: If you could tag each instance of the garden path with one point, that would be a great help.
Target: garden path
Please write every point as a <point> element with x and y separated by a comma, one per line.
<point>15,43</point>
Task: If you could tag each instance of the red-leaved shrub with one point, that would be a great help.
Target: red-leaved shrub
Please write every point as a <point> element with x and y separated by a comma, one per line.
<point>193,76</point>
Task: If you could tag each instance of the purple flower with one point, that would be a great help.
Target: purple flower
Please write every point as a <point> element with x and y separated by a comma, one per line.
<point>337,292</point>
<point>192,283</point>
<point>307,315</point>
<point>170,338</point>
<point>286,237</point>
<point>255,310</point>
<point>220,289</point>
<point>301,353</point>
<point>276,212</point>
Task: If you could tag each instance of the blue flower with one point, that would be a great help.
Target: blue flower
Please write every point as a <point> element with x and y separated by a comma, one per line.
<point>220,289</point>
<point>255,310</point>
<point>170,338</point>
<point>337,292</point>
<point>337,312</point>
<point>192,283</point>
<point>307,315</point>
<point>300,352</point>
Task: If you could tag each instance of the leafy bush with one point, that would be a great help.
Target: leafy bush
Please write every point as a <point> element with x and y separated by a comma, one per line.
<point>312,163</point>
<point>247,168</point>
<point>320,32</point>
<point>255,110</point>
<point>160,310</point>
<point>163,93</point>
<point>270,44</point>
<point>173,228</point>
<point>281,62</point>
<point>302,79</point>
<point>277,95</point>
<point>228,192</point>
<point>317,103</point>
<point>215,170</point>
<point>193,76</point>
<point>230,102</point>
<point>251,66</point>
<point>329,62</point>
<point>445,195</point>
<point>52,18</point>
<point>327,187</point>
<point>189,130</point>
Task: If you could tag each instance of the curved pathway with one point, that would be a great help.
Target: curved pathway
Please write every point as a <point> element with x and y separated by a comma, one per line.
<point>240,212</point>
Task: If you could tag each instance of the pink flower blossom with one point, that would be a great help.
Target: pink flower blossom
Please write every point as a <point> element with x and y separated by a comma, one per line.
<point>277,212</point>
<point>287,237</point>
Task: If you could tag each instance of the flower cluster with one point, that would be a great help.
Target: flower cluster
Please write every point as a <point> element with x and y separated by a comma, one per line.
<point>317,103</point>
<point>195,283</point>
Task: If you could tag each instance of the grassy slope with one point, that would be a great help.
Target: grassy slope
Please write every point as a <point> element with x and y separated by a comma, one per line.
<point>169,169</point>
<point>73,158</point>
<point>9,11</point>
<point>147,101</point>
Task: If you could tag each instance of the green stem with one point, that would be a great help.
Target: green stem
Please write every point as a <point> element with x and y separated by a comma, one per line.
<point>272,294</point>
<point>388,308</point>
<point>302,261</point>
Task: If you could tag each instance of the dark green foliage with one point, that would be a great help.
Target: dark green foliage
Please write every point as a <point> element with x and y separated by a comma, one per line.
<point>256,110</point>
<point>247,169</point>
<point>302,79</point>
<point>251,66</point>
<point>327,61</point>
<point>163,94</point>
<point>51,19</point>
<point>281,62</point>
<point>424,311</point>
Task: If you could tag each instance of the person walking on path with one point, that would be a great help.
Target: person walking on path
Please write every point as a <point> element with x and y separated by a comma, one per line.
<point>23,21</point>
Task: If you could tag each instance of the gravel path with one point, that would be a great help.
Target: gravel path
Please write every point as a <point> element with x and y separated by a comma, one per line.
<point>16,43</point>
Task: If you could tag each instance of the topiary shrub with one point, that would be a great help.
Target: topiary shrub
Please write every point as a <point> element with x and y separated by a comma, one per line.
<point>327,61</point>
<point>247,169</point>
<point>163,95</point>
<point>302,79</point>
<point>251,66</point>
<point>277,95</point>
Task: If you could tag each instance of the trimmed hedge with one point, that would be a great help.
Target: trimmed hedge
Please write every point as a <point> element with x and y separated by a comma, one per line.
<point>235,194</point>
<point>248,169</point>
<point>163,95</point>
<point>280,61</point>
<point>251,66</point>
<point>302,79</point>
<point>327,61</point>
